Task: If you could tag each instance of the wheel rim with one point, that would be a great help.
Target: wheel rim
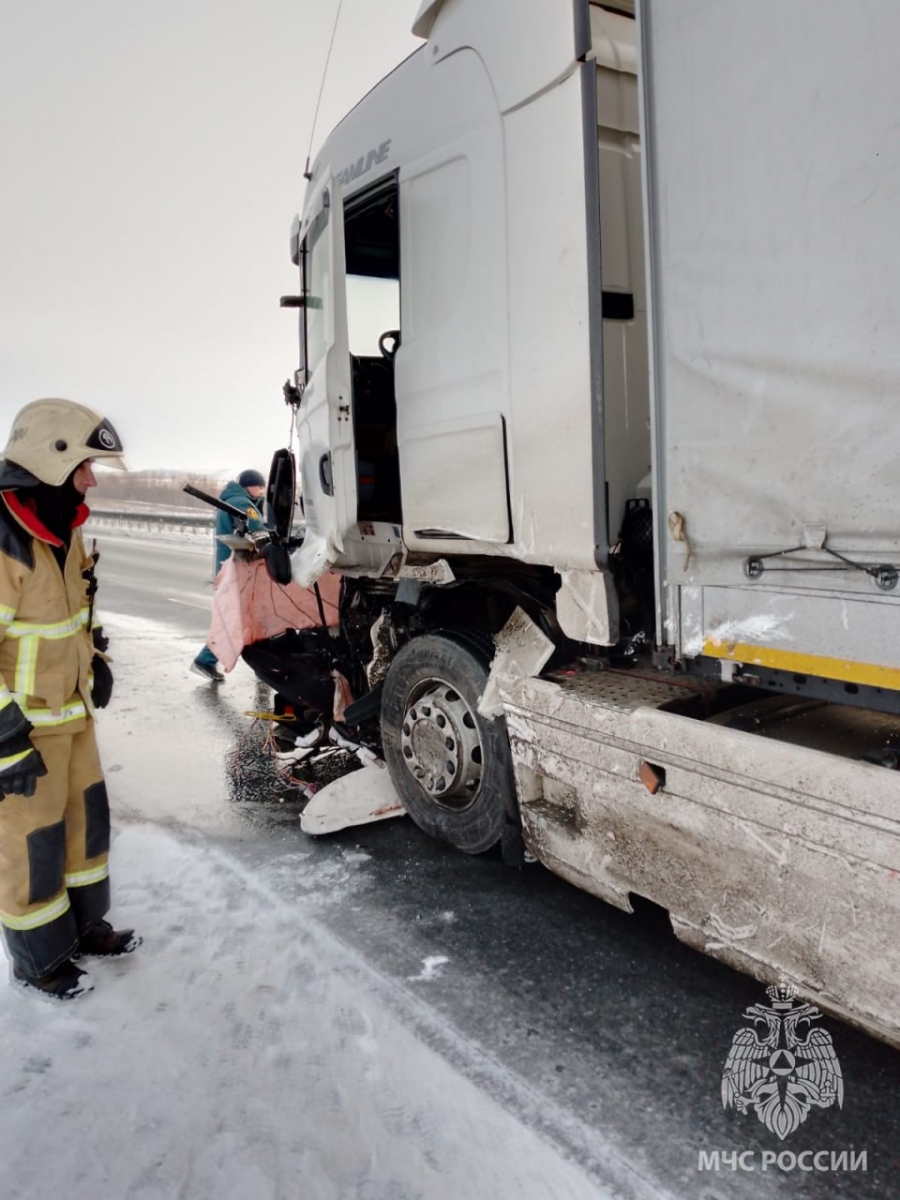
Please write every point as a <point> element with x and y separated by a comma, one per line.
<point>440,745</point>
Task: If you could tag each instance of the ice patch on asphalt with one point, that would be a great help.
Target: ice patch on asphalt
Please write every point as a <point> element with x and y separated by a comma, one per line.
<point>314,883</point>
<point>431,967</point>
<point>243,1053</point>
<point>355,856</point>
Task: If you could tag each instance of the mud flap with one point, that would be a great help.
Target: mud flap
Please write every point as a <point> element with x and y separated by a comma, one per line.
<point>522,651</point>
<point>359,798</point>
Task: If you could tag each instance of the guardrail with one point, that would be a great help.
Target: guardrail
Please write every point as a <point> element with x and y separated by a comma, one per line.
<point>152,520</point>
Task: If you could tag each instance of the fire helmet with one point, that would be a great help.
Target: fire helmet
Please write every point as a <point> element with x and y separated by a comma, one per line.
<point>50,438</point>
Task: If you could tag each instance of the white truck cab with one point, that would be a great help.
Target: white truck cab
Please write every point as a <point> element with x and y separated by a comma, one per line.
<point>458,212</point>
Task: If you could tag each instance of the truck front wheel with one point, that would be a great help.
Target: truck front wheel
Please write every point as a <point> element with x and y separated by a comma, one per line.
<point>452,767</point>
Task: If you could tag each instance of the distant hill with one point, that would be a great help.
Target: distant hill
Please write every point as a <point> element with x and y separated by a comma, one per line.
<point>159,488</point>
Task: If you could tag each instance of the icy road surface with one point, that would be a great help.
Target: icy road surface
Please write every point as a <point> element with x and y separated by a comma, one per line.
<point>242,1054</point>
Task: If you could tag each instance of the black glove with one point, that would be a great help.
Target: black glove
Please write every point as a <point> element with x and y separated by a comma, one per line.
<point>101,692</point>
<point>20,777</point>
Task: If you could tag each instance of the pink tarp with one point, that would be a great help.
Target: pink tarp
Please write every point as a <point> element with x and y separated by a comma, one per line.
<point>248,606</point>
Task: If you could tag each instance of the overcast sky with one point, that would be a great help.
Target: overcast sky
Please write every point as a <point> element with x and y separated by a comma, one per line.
<point>152,160</point>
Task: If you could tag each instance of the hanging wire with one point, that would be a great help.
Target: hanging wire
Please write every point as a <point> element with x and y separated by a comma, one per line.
<point>337,16</point>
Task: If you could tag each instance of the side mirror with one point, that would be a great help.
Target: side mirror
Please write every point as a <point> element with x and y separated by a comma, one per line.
<point>278,562</point>
<point>281,493</point>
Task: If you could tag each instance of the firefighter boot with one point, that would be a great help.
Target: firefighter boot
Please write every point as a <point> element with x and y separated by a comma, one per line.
<point>101,939</point>
<point>65,983</point>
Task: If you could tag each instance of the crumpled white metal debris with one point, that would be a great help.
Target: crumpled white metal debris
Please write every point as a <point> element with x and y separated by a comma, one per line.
<point>358,798</point>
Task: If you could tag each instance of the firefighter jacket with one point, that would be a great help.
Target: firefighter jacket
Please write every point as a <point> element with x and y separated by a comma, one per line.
<point>45,643</point>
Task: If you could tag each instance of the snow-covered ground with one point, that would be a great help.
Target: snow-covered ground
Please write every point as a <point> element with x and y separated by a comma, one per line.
<point>242,1053</point>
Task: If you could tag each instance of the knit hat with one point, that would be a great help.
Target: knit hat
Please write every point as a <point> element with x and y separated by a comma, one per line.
<point>248,479</point>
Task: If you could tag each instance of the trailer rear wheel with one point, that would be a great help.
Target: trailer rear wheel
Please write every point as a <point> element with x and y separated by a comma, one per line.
<point>452,767</point>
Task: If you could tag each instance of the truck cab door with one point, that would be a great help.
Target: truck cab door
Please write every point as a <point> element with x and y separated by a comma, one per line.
<point>327,454</point>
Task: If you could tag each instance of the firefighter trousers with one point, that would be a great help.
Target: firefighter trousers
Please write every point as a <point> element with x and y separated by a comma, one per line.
<point>54,852</point>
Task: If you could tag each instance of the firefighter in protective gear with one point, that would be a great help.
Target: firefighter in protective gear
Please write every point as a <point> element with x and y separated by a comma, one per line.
<point>54,814</point>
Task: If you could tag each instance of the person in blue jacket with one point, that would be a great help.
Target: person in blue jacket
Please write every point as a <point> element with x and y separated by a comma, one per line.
<point>246,493</point>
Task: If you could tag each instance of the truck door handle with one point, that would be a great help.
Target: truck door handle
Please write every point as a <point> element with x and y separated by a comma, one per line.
<point>325,477</point>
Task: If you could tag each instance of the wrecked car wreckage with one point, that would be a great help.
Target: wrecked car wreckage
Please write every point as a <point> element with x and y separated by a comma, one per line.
<point>391,671</point>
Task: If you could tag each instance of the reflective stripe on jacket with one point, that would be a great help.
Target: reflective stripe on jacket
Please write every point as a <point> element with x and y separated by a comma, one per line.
<point>45,645</point>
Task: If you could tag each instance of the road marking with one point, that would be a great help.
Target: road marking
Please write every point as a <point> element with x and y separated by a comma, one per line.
<point>189,603</point>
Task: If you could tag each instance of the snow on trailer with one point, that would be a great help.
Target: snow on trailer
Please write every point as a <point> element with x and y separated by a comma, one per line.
<point>598,367</point>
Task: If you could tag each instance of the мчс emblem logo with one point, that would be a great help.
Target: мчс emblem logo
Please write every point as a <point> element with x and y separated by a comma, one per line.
<point>783,1066</point>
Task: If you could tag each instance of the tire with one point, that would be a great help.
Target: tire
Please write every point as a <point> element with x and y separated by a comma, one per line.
<point>452,768</point>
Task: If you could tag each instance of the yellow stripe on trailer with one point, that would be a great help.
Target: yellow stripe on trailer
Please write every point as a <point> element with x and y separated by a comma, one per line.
<point>843,669</point>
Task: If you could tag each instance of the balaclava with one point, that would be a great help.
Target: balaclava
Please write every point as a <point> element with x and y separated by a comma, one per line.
<point>56,506</point>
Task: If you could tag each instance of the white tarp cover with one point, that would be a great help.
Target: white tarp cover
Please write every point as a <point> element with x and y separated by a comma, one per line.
<point>775,209</point>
